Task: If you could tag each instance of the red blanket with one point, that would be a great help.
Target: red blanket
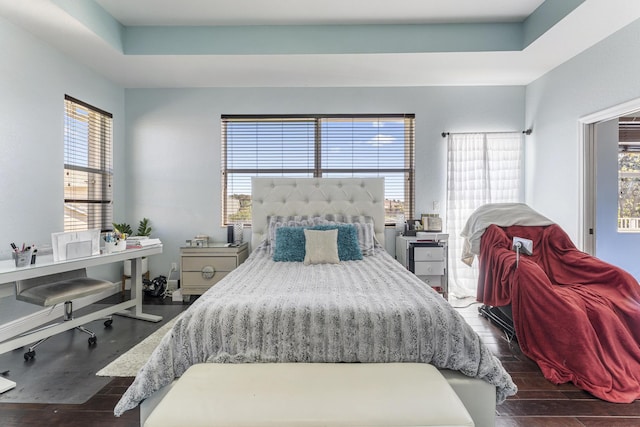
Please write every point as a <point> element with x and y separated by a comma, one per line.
<point>576,316</point>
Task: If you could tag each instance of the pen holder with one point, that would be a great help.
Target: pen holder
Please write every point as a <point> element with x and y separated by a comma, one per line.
<point>121,245</point>
<point>23,258</point>
<point>115,246</point>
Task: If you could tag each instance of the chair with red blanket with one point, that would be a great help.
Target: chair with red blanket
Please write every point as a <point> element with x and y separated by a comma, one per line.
<point>575,315</point>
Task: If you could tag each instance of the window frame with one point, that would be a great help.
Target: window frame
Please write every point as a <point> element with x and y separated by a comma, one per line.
<point>628,209</point>
<point>317,169</point>
<point>97,146</point>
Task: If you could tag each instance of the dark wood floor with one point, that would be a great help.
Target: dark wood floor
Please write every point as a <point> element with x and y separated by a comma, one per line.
<point>64,364</point>
<point>538,402</point>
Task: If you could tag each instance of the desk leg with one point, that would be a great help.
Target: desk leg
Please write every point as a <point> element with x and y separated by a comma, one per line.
<point>136,295</point>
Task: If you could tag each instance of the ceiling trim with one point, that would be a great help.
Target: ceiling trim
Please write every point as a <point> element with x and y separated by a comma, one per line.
<point>546,16</point>
<point>96,19</point>
<point>380,53</point>
<point>322,39</point>
<point>317,39</point>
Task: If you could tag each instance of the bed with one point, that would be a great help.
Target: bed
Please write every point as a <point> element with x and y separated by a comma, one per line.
<point>362,310</point>
<point>575,315</point>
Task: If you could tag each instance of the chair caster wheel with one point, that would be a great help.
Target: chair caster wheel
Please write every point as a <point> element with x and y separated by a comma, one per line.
<point>108,322</point>
<point>29,355</point>
<point>93,340</point>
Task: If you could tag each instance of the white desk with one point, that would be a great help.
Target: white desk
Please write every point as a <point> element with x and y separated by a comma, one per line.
<point>45,265</point>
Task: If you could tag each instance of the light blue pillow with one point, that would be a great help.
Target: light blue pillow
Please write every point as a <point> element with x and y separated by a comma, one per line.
<point>290,244</point>
<point>348,245</point>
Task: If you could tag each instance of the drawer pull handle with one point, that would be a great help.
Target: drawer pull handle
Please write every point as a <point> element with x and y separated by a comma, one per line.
<point>208,272</point>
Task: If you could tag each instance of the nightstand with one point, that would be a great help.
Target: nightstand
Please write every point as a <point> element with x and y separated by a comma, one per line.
<point>201,267</point>
<point>427,259</point>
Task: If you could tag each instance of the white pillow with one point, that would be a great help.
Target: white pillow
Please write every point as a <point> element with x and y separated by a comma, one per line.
<point>364,227</point>
<point>321,247</point>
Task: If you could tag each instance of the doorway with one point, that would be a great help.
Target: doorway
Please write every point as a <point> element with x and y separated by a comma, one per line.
<point>599,135</point>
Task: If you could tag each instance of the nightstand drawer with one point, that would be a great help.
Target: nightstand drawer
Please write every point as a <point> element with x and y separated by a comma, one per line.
<point>428,254</point>
<point>434,281</point>
<point>195,279</point>
<point>202,267</point>
<point>219,263</point>
<point>429,268</point>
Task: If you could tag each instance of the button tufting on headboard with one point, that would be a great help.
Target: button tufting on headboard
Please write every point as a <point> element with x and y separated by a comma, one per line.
<point>316,196</point>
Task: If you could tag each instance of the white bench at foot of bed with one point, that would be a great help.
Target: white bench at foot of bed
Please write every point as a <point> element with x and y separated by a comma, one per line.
<point>308,394</point>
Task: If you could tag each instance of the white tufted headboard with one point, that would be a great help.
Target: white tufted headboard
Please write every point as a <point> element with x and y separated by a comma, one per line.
<point>315,196</point>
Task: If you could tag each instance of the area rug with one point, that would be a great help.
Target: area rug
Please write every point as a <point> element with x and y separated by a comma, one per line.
<point>130,362</point>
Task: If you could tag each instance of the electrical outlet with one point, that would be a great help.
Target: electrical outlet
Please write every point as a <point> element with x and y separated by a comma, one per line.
<point>174,266</point>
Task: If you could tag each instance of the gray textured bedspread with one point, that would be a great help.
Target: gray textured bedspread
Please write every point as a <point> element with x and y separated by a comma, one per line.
<point>356,311</point>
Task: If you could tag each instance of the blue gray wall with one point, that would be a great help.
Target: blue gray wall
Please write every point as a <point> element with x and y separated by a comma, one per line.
<point>601,77</point>
<point>33,82</point>
<point>173,142</point>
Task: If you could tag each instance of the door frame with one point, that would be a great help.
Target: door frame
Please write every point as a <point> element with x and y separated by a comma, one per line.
<point>587,165</point>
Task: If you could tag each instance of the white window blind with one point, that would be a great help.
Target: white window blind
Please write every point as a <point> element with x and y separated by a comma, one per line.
<point>317,146</point>
<point>88,171</point>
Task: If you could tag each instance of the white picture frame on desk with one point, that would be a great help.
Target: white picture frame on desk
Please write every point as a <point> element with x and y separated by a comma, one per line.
<point>75,244</point>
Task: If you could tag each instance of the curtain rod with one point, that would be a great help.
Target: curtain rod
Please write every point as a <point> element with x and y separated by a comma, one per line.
<point>446,134</point>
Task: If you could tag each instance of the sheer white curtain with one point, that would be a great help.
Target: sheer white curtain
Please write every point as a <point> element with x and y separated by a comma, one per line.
<point>481,168</point>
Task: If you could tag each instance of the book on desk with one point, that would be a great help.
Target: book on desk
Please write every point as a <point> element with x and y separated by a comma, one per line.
<point>142,243</point>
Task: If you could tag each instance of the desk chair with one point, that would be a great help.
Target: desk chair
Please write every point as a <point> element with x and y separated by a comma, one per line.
<point>50,290</point>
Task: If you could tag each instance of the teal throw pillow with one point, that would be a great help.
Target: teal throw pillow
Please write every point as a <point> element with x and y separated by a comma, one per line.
<point>290,244</point>
<point>348,245</point>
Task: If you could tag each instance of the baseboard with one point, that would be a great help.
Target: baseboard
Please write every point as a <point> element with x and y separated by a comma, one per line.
<point>19,326</point>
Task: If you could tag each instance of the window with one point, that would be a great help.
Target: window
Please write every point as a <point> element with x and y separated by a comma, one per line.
<point>88,172</point>
<point>317,146</point>
<point>481,168</point>
<point>629,174</point>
